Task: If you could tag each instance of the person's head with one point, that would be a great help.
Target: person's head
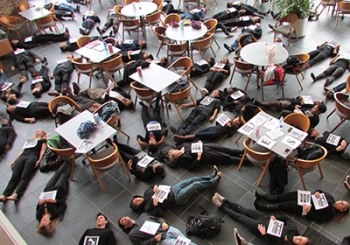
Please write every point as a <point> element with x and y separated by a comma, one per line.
<point>142,43</point>
<point>128,103</point>
<point>137,203</point>
<point>215,93</point>
<point>229,4</point>
<point>46,226</point>
<point>256,19</point>
<point>101,220</point>
<point>341,210</point>
<point>278,39</point>
<point>204,9</point>
<point>158,168</point>
<point>211,61</point>
<point>152,146</point>
<point>40,134</point>
<point>11,99</point>
<point>147,56</point>
<point>125,223</point>
<point>5,122</point>
<point>224,60</point>
<point>301,240</point>
<point>70,56</point>
<point>163,61</point>
<point>174,155</point>
<point>319,109</point>
<point>37,90</point>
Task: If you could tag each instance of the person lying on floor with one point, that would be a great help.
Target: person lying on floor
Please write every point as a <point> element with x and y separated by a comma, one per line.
<point>71,45</point>
<point>131,55</point>
<point>232,103</point>
<point>127,45</point>
<point>133,156</point>
<point>194,14</point>
<point>28,112</point>
<point>322,51</point>
<point>202,67</point>
<point>111,21</point>
<point>247,9</point>
<point>228,13</point>
<point>89,20</point>
<point>233,24</point>
<point>179,194</point>
<point>168,8</point>
<point>338,88</point>
<point>212,153</point>
<point>7,136</point>
<point>337,210</point>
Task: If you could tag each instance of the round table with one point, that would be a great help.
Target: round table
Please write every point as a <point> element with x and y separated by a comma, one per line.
<point>139,9</point>
<point>187,34</point>
<point>254,54</point>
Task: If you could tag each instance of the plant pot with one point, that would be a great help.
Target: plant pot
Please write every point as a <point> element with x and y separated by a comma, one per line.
<point>301,27</point>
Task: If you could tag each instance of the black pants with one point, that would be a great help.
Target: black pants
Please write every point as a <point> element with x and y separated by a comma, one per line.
<point>41,110</point>
<point>87,26</point>
<point>169,9</point>
<point>127,152</point>
<point>223,28</point>
<point>198,70</point>
<point>45,84</point>
<point>146,117</point>
<point>333,71</point>
<point>346,241</point>
<point>197,115</point>
<point>25,66</point>
<point>214,78</point>
<point>289,202</point>
<point>223,16</point>
<point>21,174</point>
<point>60,179</point>
<point>62,80</point>
<point>316,56</point>
<point>110,21</point>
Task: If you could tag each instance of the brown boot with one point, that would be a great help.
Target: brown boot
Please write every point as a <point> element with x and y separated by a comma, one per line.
<point>183,138</point>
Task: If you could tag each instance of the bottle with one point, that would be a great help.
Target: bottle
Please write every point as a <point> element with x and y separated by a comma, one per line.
<point>257,131</point>
<point>281,123</point>
<point>105,46</point>
<point>139,70</point>
<point>110,48</point>
<point>182,25</point>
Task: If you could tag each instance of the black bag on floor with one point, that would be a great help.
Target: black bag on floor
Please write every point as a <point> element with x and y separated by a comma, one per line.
<point>204,225</point>
<point>278,175</point>
<point>313,152</point>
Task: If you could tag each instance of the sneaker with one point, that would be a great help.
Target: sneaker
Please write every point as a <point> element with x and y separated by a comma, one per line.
<point>77,9</point>
<point>216,201</point>
<point>327,83</point>
<point>115,29</point>
<point>328,90</point>
<point>216,170</point>
<point>330,95</point>
<point>76,88</point>
<point>218,177</point>
<point>53,93</point>
<point>313,76</point>
<point>173,129</point>
<point>99,30</point>
<point>204,91</point>
<point>236,236</point>
<point>271,27</point>
<point>229,49</point>
<point>229,35</point>
<point>221,198</point>
<point>81,31</point>
<point>346,184</point>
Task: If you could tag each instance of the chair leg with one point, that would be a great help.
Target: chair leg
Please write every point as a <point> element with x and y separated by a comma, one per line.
<point>121,162</point>
<point>192,81</point>
<point>73,166</point>
<point>213,51</point>
<point>242,159</point>
<point>213,38</point>
<point>301,86</point>
<point>239,138</point>
<point>232,75</point>
<point>98,179</point>
<point>166,105</point>
<point>122,132</point>
<point>331,113</point>
<point>246,86</point>
<point>320,169</point>
<point>263,172</point>
<point>178,111</point>
<point>340,123</point>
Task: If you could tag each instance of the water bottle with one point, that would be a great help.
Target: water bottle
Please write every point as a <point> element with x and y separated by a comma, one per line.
<point>281,123</point>
<point>105,45</point>
<point>182,26</point>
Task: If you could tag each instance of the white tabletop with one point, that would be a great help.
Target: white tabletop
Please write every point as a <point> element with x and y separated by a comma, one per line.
<point>156,77</point>
<point>137,9</point>
<point>35,13</point>
<point>254,53</point>
<point>187,34</point>
<point>279,148</point>
<point>95,55</point>
<point>69,129</point>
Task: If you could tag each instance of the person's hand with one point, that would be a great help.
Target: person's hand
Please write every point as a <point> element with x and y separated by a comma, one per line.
<point>12,165</point>
<point>317,194</point>
<point>7,148</point>
<point>212,118</point>
<point>262,229</point>
<point>183,106</point>
<point>342,146</point>
<point>37,164</point>
<point>158,237</point>
<point>155,189</point>
<point>297,106</point>
<point>12,68</point>
<point>42,201</point>
<point>32,120</point>
<point>229,124</point>
<point>165,226</point>
<point>306,208</point>
<point>37,60</point>
<point>155,201</point>
<point>129,164</point>
<point>51,76</point>
<point>272,217</point>
<point>199,155</point>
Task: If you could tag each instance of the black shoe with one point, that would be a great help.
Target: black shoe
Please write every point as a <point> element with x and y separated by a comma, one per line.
<point>111,34</point>
<point>229,49</point>
<point>99,30</point>
<point>327,82</point>
<point>271,27</point>
<point>313,76</point>
<point>77,9</point>
<point>273,14</point>
<point>173,129</point>
<point>81,31</point>
<point>259,195</point>
<point>76,88</point>
<point>44,62</point>
<point>115,29</point>
<point>268,12</point>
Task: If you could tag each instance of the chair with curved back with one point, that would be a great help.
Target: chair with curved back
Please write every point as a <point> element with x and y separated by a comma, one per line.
<point>83,40</point>
<point>342,108</point>
<point>306,166</point>
<point>264,83</point>
<point>176,49</point>
<point>182,66</point>
<point>126,2</point>
<point>84,68</point>
<point>118,10</point>
<point>189,1</point>
<point>159,4</point>
<point>62,100</point>
<point>13,23</point>
<point>297,68</point>
<point>154,19</point>
<point>130,25</point>
<point>244,117</point>
<point>244,68</point>
<point>159,32</point>
<point>178,97</point>
<point>244,40</point>
<point>325,4</point>
<point>143,93</point>
<point>46,22</point>
<point>105,160</point>
<point>286,26</point>
<point>211,25</point>
<point>262,159</point>
<point>113,65</point>
<point>343,8</point>
<point>298,120</point>
<point>171,17</point>
<point>66,154</point>
<point>202,45</point>
<point>25,6</point>
<point>110,40</point>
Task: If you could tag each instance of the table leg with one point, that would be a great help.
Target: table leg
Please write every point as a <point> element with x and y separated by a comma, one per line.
<point>143,26</point>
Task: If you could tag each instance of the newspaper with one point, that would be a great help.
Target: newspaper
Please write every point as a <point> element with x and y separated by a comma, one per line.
<point>28,39</point>
<point>272,123</point>
<point>297,134</point>
<point>202,62</point>
<point>128,41</point>
<point>6,86</point>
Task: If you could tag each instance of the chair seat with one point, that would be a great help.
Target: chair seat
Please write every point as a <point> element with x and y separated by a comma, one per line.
<point>341,115</point>
<point>304,170</point>
<point>256,162</point>
<point>101,154</point>
<point>131,28</point>
<point>284,29</point>
<point>176,52</point>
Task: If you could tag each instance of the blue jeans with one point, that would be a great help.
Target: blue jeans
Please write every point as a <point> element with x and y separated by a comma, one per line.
<point>187,16</point>
<point>171,236</point>
<point>3,78</point>
<point>185,189</point>
<point>339,87</point>
<point>207,134</point>
<point>66,7</point>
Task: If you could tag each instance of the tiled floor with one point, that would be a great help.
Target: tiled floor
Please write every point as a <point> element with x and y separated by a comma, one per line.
<point>86,197</point>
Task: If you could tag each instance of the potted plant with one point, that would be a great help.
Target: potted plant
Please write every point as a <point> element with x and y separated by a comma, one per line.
<point>302,8</point>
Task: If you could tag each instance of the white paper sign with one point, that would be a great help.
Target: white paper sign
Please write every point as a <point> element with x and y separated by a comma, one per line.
<point>219,65</point>
<point>29,144</point>
<point>48,194</point>
<point>145,161</point>
<point>23,104</point>
<point>150,227</point>
<point>153,127</point>
<point>298,134</point>
<point>84,146</point>
<point>73,40</point>
<point>202,62</point>
<point>258,120</point>
<point>333,139</point>
<point>197,147</point>
<point>89,13</point>
<point>232,10</point>
<point>245,18</point>
<point>135,52</point>
<point>272,123</point>
<point>223,119</point>
<point>128,41</point>
<point>247,129</point>
<point>163,193</point>
<point>180,240</point>
<point>91,240</point>
<point>28,39</point>
<point>19,51</point>
<point>321,202</point>
<point>266,142</point>
<point>304,197</point>
<point>6,86</point>
<point>37,80</point>
<point>196,10</point>
<point>236,95</point>
<point>291,142</point>
<point>275,228</point>
<point>252,27</point>
<point>207,100</point>
<point>99,47</point>
<point>307,100</point>
<point>274,134</point>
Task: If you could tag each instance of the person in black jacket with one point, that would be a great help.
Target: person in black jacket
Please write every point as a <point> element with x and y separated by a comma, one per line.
<point>24,61</point>
<point>258,222</point>
<point>126,45</point>
<point>105,235</point>
<point>179,194</point>
<point>62,73</point>
<point>89,20</point>
<point>30,112</point>
<point>201,68</point>
<point>131,68</point>
<point>111,20</point>
<point>50,210</point>
<point>289,202</point>
<point>7,136</point>
<point>324,50</point>
<point>132,156</point>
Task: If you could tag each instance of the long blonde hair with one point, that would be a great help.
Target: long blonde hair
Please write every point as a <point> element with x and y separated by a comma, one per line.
<point>49,228</point>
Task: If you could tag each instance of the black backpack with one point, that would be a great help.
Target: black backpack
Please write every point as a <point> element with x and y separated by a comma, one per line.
<point>204,225</point>
<point>293,60</point>
<point>278,175</point>
<point>311,153</point>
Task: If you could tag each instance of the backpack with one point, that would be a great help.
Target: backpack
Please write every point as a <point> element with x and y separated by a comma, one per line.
<point>278,175</point>
<point>311,153</point>
<point>204,225</point>
<point>180,86</point>
<point>293,60</point>
<point>109,110</point>
<point>247,39</point>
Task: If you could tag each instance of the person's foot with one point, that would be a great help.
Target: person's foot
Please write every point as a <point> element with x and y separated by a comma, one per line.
<point>65,91</point>
<point>216,201</point>
<point>76,88</point>
<point>218,176</point>
<point>53,93</point>
<point>70,94</point>
<point>233,29</point>
<point>313,76</point>
<point>271,27</point>
<point>44,61</point>
<point>99,30</point>
<point>221,198</point>
<point>273,14</point>
<point>330,95</point>
<point>77,9</point>
<point>259,195</point>
<point>346,183</point>
<point>229,49</point>
<point>23,79</point>
<point>204,91</point>
<point>2,198</point>
<point>328,82</point>
<point>115,29</point>
<point>13,197</point>
<point>238,238</point>
<point>328,90</point>
<point>216,170</point>
<point>142,104</point>
<point>307,66</point>
<point>268,12</point>
<point>229,35</point>
<point>173,129</point>
<point>81,31</point>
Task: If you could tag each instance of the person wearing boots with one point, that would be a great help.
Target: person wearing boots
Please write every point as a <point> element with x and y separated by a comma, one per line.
<point>257,222</point>
<point>289,202</point>
<point>179,194</point>
<point>155,135</point>
<point>89,20</point>
<point>111,20</point>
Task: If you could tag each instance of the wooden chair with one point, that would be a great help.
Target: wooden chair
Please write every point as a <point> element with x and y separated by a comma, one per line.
<point>244,68</point>
<point>118,9</point>
<point>182,66</point>
<point>202,45</point>
<point>263,84</point>
<point>189,1</point>
<point>113,65</point>
<point>171,17</point>
<point>67,154</point>
<point>114,120</point>
<point>176,49</point>
<point>64,100</point>
<point>178,97</point>
<point>131,1</point>
<point>46,22</point>
<point>297,68</point>
<point>83,40</point>
<point>130,25</point>
<point>154,19</point>
<point>12,23</point>
<point>105,160</point>
<point>6,48</point>
<point>325,4</point>
<point>342,108</point>
<point>298,120</point>
<point>243,116</point>
<point>286,26</point>
<point>211,25</point>
<point>241,42</point>
<point>110,40</point>
<point>143,93</point>
<point>84,68</point>
<point>306,166</point>
<point>343,8</point>
<point>159,4</point>
<point>159,32</point>
<point>25,6</point>
<point>262,159</point>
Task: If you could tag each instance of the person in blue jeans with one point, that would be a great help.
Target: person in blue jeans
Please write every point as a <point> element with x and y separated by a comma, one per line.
<point>331,91</point>
<point>179,194</point>
<point>194,14</point>
<point>67,7</point>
